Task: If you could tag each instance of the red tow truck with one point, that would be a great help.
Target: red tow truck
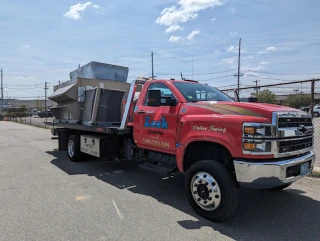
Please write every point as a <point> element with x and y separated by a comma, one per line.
<point>220,144</point>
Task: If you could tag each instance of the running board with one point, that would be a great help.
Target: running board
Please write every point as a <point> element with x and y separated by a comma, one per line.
<point>158,169</point>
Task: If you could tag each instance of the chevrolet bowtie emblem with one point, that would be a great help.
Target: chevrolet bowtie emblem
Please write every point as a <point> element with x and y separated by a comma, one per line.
<point>302,128</point>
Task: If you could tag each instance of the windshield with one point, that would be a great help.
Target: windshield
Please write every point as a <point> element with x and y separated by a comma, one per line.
<point>194,92</point>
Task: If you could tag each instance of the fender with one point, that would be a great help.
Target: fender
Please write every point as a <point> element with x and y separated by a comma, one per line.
<point>220,129</point>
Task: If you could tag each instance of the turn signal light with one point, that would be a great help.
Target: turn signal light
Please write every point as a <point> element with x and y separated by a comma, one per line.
<point>249,146</point>
<point>249,130</point>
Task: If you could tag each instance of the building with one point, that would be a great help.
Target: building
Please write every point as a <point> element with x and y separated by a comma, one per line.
<point>29,104</point>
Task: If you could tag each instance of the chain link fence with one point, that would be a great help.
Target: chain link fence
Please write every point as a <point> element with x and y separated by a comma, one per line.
<point>37,122</point>
<point>299,95</point>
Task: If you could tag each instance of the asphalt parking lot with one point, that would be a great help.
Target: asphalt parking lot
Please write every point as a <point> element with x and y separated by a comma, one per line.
<point>46,197</point>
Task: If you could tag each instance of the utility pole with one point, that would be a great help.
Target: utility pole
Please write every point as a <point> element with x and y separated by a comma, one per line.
<point>181,75</point>
<point>152,76</point>
<point>1,90</point>
<point>239,66</point>
<point>45,99</point>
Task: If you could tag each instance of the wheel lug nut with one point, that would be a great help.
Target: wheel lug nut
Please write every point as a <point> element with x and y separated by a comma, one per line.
<point>199,199</point>
<point>210,198</point>
<point>216,196</point>
<point>204,176</point>
<point>215,190</point>
<point>195,192</point>
<point>200,181</point>
<point>195,185</point>
<point>213,184</point>
<point>205,202</point>
<point>210,190</point>
<point>206,184</point>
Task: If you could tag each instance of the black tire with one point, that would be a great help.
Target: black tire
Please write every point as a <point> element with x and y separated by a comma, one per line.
<point>75,155</point>
<point>316,114</point>
<point>280,187</point>
<point>226,184</point>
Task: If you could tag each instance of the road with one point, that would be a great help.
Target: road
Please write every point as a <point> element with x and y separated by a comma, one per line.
<point>43,196</point>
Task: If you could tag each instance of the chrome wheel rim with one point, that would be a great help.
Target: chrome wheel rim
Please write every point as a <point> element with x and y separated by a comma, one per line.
<point>71,148</point>
<point>205,191</point>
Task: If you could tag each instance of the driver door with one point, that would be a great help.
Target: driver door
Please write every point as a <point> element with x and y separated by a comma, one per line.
<point>155,127</point>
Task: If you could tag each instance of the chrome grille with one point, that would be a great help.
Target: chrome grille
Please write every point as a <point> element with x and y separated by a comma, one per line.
<point>285,122</point>
<point>294,131</point>
<point>295,145</point>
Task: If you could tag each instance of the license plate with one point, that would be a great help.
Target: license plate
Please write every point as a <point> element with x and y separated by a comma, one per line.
<point>304,168</point>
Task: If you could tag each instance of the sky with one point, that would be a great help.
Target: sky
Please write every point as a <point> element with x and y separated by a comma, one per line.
<point>43,41</point>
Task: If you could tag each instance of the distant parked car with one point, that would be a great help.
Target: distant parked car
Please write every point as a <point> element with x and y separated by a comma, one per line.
<point>34,112</point>
<point>306,109</point>
<point>316,111</point>
<point>44,113</point>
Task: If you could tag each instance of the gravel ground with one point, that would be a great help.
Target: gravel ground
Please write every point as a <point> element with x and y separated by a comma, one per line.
<point>43,196</point>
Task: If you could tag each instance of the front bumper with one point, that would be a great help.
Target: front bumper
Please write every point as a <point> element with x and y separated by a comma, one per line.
<point>264,175</point>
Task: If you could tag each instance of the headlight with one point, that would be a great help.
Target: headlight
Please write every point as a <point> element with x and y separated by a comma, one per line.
<point>257,138</point>
<point>257,146</point>
<point>259,130</point>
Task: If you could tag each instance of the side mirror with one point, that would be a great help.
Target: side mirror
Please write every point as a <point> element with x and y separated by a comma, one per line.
<point>154,98</point>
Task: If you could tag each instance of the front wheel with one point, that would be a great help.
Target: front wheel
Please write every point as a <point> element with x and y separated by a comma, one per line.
<point>212,190</point>
<point>316,114</point>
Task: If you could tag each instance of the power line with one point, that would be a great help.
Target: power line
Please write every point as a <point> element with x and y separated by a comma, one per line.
<point>266,72</point>
<point>220,77</point>
<point>209,73</point>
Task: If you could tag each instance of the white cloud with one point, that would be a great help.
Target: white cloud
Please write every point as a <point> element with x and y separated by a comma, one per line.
<point>175,39</point>
<point>185,11</point>
<point>173,28</point>
<point>233,10</point>
<point>248,57</point>
<point>268,50</point>
<point>23,78</point>
<point>26,46</point>
<point>233,33</point>
<point>264,63</point>
<point>232,49</point>
<point>229,60</point>
<point>96,6</point>
<point>75,10</point>
<point>217,52</point>
<point>253,68</point>
<point>192,34</point>
<point>213,19</point>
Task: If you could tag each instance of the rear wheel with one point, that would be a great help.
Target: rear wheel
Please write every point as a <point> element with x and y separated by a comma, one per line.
<point>212,190</point>
<point>316,114</point>
<point>74,148</point>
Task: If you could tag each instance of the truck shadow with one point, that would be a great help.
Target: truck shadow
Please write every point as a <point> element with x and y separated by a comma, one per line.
<point>262,215</point>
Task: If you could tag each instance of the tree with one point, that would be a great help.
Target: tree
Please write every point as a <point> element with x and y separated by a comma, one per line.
<point>266,96</point>
<point>298,100</point>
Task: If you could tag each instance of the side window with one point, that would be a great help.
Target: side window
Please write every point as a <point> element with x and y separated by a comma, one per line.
<point>165,91</point>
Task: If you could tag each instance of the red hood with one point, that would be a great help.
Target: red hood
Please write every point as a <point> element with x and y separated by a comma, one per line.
<point>242,108</point>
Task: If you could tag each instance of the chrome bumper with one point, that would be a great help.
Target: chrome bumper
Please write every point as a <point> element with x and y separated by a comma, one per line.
<point>263,175</point>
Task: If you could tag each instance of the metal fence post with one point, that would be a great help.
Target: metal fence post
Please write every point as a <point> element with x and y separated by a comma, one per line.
<point>312,97</point>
